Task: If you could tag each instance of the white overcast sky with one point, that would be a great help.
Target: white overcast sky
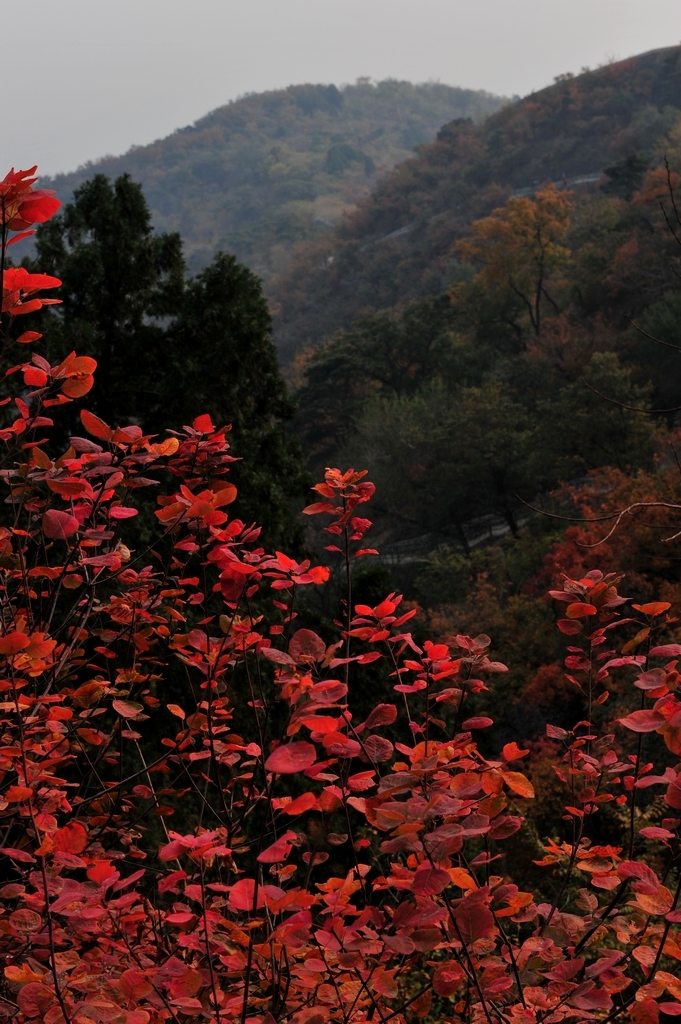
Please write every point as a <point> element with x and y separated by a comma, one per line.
<point>84,78</point>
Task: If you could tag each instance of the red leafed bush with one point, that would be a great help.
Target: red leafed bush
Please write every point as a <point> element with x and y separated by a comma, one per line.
<point>325,867</point>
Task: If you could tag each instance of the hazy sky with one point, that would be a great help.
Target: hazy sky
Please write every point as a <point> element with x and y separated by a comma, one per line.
<point>83,78</point>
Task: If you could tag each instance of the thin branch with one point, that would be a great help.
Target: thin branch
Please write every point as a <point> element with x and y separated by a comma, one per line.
<point>630,408</point>
<point>652,337</point>
<point>567,519</point>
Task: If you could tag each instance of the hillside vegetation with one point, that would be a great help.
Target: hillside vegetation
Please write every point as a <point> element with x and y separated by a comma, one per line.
<point>267,171</point>
<point>485,352</point>
<point>399,242</point>
<point>470,337</point>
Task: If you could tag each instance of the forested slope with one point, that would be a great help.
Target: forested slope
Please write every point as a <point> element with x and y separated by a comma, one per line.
<point>399,242</point>
<point>271,169</point>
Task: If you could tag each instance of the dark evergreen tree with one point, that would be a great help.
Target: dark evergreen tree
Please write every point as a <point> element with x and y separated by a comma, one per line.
<point>225,364</point>
<point>120,284</point>
<point>168,348</point>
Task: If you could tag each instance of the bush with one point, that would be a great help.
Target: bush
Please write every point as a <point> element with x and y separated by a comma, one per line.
<point>323,867</point>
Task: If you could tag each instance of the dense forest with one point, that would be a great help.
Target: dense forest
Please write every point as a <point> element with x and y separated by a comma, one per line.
<point>400,242</point>
<point>489,334</point>
<point>271,169</point>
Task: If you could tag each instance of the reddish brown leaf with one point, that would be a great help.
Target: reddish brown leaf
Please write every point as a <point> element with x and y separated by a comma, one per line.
<point>59,525</point>
<point>291,757</point>
<point>95,426</point>
<point>643,721</point>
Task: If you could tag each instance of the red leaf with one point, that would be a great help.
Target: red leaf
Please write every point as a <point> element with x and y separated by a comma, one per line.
<point>110,560</point>
<point>25,921</point>
<point>242,895</point>
<point>666,651</point>
<point>21,855</point>
<point>512,752</point>
<point>127,708</point>
<point>474,920</point>
<point>291,757</point>
<point>643,721</point>
<point>17,794</point>
<point>578,610</point>
<point>653,608</point>
<point>307,646</point>
<point>378,748</point>
<point>225,496</point>
<point>13,642</point>
<point>429,881</point>
<point>121,512</point>
<point>35,999</point>
<point>59,525</point>
<point>204,424</point>
<point>477,723</point>
<point>134,985</point>
<point>319,573</point>
<point>76,387</point>
<point>302,803</point>
<point>21,236</point>
<point>72,838</point>
<point>279,657</point>
<point>448,977</point>
<point>33,377</point>
<point>95,426</point>
<point>318,506</point>
<point>517,782</point>
<point>100,871</point>
<point>383,714</point>
<point>673,794</point>
<point>278,851</point>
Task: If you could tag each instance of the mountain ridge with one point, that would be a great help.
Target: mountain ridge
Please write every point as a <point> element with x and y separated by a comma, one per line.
<point>578,126</point>
<point>263,172</point>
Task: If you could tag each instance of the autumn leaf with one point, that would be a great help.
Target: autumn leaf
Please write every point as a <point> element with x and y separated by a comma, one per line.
<point>305,645</point>
<point>167,447</point>
<point>203,424</point>
<point>17,794</point>
<point>278,851</point>
<point>291,757</point>
<point>13,642</point>
<point>302,803</point>
<point>25,922</point>
<point>59,525</point>
<point>519,784</point>
<point>448,977</point>
<point>643,721</point>
<point>580,610</point>
<point>653,608</point>
<point>95,426</point>
<point>127,708</point>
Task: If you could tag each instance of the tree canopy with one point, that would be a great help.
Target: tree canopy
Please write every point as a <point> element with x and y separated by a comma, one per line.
<point>166,345</point>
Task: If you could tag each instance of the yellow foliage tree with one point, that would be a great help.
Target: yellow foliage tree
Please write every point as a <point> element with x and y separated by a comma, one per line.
<point>519,245</point>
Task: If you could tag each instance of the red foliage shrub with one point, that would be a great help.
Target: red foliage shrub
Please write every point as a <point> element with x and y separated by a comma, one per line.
<point>236,916</point>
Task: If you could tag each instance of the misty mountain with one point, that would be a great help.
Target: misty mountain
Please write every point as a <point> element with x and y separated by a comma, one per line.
<point>398,244</point>
<point>269,170</point>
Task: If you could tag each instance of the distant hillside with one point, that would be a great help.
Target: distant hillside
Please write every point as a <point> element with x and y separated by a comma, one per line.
<point>398,244</point>
<point>267,171</point>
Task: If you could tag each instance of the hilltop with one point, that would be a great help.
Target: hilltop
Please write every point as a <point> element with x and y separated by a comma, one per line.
<point>267,171</point>
<point>397,245</point>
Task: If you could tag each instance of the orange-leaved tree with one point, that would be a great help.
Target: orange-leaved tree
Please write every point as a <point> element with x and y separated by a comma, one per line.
<point>519,247</point>
<point>323,867</point>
